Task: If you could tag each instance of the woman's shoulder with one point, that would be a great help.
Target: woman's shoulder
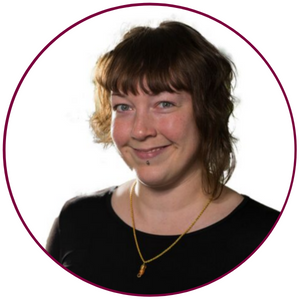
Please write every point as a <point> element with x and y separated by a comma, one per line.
<point>252,218</point>
<point>259,210</point>
<point>85,213</point>
<point>88,202</point>
<point>239,212</point>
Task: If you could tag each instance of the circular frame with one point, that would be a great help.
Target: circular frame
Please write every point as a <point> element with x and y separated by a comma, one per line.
<point>128,6</point>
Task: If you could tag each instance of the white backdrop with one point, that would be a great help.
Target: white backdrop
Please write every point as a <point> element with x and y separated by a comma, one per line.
<point>51,156</point>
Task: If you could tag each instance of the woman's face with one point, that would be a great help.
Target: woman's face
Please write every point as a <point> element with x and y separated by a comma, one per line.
<point>159,129</point>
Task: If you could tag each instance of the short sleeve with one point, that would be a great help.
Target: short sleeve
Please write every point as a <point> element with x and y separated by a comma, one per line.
<point>53,241</point>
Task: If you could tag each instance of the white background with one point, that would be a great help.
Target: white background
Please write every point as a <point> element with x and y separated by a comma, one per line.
<point>44,104</point>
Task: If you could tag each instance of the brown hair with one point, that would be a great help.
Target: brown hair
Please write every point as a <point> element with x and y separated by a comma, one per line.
<point>173,57</point>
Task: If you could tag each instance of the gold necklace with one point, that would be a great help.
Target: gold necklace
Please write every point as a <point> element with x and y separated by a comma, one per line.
<point>145,262</point>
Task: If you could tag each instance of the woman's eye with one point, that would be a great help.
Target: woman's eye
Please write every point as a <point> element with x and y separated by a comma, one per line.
<point>165,104</point>
<point>121,107</point>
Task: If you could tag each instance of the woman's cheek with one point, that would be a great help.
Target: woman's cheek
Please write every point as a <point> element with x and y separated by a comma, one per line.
<point>174,128</point>
<point>119,133</point>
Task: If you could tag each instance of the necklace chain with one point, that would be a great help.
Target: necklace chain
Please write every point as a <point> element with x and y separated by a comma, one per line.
<point>145,262</point>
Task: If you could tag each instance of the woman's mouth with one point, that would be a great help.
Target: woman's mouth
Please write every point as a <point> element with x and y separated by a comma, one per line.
<point>150,152</point>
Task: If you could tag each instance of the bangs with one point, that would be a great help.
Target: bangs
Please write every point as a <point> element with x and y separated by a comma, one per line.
<point>153,61</point>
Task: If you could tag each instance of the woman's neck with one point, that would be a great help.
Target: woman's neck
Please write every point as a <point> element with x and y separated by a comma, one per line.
<point>171,198</point>
<point>169,209</point>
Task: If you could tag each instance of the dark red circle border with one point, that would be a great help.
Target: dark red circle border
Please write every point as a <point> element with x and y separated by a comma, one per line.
<point>129,6</point>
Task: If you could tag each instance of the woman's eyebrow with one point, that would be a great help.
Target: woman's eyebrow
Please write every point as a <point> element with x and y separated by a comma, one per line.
<point>118,94</point>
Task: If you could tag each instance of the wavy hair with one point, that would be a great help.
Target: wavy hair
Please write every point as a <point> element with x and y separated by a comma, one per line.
<point>173,57</point>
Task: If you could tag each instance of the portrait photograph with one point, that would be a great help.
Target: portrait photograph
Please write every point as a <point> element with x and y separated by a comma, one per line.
<point>149,150</point>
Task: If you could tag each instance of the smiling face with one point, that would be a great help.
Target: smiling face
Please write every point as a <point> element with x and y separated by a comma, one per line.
<point>171,57</point>
<point>160,129</point>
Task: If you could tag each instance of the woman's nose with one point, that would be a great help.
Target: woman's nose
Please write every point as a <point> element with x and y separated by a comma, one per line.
<point>143,126</point>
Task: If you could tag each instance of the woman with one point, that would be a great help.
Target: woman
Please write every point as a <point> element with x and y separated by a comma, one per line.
<point>163,99</point>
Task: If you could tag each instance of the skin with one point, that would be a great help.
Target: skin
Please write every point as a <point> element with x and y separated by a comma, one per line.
<point>168,196</point>
<point>164,125</point>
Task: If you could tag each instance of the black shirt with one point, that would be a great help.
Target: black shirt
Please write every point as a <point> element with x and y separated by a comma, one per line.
<point>90,240</point>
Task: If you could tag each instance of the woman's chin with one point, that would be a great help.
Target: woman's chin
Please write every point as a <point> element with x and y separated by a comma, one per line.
<point>157,180</point>
<point>150,178</point>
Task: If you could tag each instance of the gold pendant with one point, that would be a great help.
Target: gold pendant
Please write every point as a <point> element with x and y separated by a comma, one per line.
<point>142,271</point>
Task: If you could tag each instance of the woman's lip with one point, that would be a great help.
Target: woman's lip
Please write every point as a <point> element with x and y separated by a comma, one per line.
<point>150,152</point>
